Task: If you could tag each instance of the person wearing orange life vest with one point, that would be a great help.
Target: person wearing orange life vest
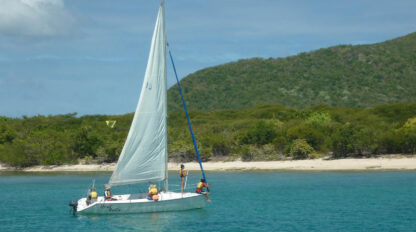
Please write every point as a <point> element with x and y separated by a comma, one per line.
<point>182,173</point>
<point>200,189</point>
<point>153,193</point>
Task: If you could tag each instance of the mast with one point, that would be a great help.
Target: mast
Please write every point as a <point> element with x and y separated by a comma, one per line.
<point>166,184</point>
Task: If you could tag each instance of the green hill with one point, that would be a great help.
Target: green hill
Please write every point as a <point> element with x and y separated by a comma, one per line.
<point>345,75</point>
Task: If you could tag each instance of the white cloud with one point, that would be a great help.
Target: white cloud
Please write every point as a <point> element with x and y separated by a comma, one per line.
<point>34,18</point>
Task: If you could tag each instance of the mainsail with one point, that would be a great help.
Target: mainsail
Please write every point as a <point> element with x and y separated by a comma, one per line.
<point>144,155</point>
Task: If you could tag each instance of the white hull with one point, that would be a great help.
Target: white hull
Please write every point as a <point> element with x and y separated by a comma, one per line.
<point>131,203</point>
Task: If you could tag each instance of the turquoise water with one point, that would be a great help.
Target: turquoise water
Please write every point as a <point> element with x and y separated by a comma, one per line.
<point>267,201</point>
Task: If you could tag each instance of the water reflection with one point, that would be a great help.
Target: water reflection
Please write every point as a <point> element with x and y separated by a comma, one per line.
<point>135,222</point>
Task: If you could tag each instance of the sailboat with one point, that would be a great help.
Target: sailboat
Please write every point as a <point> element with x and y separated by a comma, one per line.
<point>144,157</point>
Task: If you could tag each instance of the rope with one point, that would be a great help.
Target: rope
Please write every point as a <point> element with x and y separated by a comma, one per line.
<point>178,189</point>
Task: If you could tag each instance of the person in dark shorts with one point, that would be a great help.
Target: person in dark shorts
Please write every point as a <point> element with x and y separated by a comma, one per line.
<point>182,173</point>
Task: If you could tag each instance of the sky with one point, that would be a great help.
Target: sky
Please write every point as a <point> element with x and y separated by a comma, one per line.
<point>89,56</point>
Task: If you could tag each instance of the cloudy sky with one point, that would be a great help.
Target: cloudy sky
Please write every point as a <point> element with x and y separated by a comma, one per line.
<point>89,57</point>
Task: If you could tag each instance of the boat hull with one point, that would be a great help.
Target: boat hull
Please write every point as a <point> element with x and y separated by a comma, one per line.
<point>129,204</point>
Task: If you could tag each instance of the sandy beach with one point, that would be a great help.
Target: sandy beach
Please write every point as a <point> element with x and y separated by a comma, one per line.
<point>396,163</point>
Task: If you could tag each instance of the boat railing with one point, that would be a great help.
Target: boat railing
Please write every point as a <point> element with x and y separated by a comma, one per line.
<point>135,196</point>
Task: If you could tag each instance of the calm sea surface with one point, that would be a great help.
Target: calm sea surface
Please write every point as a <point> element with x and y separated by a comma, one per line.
<point>263,201</point>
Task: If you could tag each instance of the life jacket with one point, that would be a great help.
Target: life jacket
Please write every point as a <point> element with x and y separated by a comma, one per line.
<point>181,173</point>
<point>153,191</point>
<point>200,185</point>
<point>94,195</point>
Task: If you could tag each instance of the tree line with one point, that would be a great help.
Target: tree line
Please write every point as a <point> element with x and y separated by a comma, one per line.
<point>264,132</point>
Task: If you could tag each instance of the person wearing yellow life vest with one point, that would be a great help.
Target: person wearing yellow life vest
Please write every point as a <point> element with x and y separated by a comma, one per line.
<point>182,173</point>
<point>92,196</point>
<point>152,195</point>
<point>200,189</point>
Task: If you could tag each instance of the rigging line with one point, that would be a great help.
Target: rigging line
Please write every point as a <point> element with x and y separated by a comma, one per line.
<point>187,116</point>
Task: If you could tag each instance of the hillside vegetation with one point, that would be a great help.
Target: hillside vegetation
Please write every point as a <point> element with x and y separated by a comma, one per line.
<point>265,132</point>
<point>349,76</point>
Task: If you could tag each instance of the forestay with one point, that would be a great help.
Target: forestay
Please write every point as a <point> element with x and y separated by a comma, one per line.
<point>144,155</point>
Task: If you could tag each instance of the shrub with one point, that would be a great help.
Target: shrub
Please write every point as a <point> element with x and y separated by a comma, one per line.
<point>300,149</point>
<point>409,140</point>
<point>319,120</point>
<point>344,141</point>
<point>280,143</point>
<point>217,145</point>
<point>87,143</point>
<point>262,133</point>
<point>246,154</point>
<point>315,138</point>
<point>315,155</point>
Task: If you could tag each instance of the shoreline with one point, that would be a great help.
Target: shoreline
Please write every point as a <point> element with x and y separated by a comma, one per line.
<point>362,164</point>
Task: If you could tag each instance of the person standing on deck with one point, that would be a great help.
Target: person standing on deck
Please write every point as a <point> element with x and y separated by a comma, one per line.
<point>182,173</point>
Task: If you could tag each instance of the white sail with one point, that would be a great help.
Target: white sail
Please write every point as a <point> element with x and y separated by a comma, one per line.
<point>144,155</point>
